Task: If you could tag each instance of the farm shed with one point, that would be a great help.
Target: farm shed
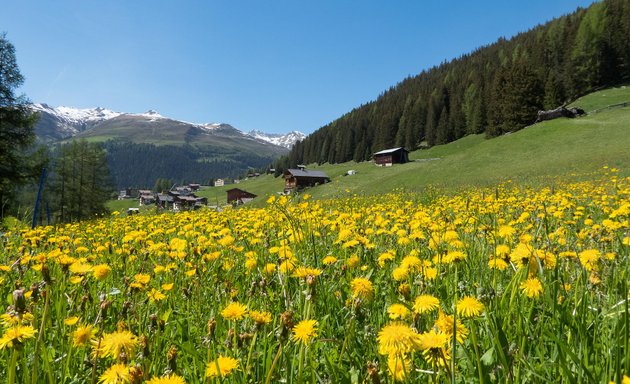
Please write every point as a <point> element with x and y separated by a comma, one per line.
<point>387,157</point>
<point>238,196</point>
<point>302,178</point>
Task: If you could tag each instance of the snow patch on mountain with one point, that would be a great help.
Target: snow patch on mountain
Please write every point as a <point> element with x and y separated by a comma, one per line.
<point>77,115</point>
<point>286,140</point>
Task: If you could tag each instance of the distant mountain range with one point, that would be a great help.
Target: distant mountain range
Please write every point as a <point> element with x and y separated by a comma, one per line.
<point>62,123</point>
<point>143,147</point>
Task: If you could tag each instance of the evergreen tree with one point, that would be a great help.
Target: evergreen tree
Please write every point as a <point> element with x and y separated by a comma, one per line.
<point>82,183</point>
<point>16,127</point>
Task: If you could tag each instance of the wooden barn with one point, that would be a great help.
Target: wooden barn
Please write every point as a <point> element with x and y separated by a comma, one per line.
<point>238,196</point>
<point>296,179</point>
<point>388,157</point>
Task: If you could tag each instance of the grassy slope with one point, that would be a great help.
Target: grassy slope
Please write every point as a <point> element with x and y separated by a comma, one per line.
<point>559,147</point>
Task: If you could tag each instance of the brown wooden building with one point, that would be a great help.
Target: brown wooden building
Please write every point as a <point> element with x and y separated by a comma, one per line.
<point>387,157</point>
<point>238,196</point>
<point>302,178</point>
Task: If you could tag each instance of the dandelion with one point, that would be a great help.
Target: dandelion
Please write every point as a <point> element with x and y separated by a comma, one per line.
<point>398,311</point>
<point>70,321</point>
<point>83,335</point>
<point>101,271</point>
<point>155,295</point>
<point>425,303</point>
<point>170,379</point>
<point>397,339</point>
<point>469,306</point>
<point>362,288</point>
<point>260,318</point>
<point>234,311</point>
<point>304,331</point>
<point>329,260</point>
<point>444,324</point>
<point>532,287</point>
<point>113,344</point>
<point>398,367</point>
<point>221,367</point>
<point>16,334</point>
<point>116,374</point>
<point>434,345</point>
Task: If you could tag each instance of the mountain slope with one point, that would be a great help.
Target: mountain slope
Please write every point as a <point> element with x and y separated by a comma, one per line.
<point>578,148</point>
<point>495,89</point>
<point>144,147</point>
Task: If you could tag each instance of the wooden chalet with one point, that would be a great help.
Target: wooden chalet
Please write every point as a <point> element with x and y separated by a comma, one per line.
<point>238,196</point>
<point>388,157</point>
<point>296,179</point>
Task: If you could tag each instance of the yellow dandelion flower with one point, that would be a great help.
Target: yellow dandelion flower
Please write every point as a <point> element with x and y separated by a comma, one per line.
<point>425,304</point>
<point>398,311</point>
<point>71,320</point>
<point>498,263</point>
<point>362,288</point>
<point>170,379</point>
<point>116,374</point>
<point>260,317</point>
<point>142,278</point>
<point>397,339</point>
<point>400,273</point>
<point>429,273</point>
<point>304,331</point>
<point>444,324</point>
<point>398,367</point>
<point>83,335</point>
<point>167,286</point>
<point>112,344</point>
<point>434,345</point>
<point>532,287</point>
<point>304,272</point>
<point>16,334</point>
<point>329,260</point>
<point>234,311</point>
<point>469,306</point>
<point>155,295</point>
<point>221,367</point>
<point>101,271</point>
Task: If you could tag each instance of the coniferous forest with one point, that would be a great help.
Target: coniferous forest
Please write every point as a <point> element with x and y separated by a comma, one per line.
<point>496,89</point>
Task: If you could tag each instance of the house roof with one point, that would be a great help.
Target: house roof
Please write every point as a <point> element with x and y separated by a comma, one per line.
<point>305,173</point>
<point>240,190</point>
<point>388,151</point>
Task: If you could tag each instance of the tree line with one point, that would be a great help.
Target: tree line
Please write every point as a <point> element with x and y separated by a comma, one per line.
<point>496,89</point>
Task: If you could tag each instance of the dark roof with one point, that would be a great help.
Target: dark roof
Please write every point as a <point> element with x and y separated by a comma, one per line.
<point>240,190</point>
<point>305,173</point>
<point>391,150</point>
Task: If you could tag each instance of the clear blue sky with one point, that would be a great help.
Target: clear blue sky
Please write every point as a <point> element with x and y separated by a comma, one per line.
<point>270,65</point>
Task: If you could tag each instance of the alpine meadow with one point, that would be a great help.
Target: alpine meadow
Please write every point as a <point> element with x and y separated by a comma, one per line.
<point>486,246</point>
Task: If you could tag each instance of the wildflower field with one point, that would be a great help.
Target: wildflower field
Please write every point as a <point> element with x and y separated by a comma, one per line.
<point>508,284</point>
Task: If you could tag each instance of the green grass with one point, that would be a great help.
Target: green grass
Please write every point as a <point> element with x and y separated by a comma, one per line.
<point>602,99</point>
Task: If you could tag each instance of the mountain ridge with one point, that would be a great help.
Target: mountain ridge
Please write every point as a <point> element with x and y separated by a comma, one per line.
<point>63,123</point>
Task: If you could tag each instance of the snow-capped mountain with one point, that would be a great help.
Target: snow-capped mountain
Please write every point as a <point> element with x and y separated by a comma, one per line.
<point>60,123</point>
<point>286,140</point>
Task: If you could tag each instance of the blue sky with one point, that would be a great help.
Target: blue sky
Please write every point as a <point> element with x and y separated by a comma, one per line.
<point>274,66</point>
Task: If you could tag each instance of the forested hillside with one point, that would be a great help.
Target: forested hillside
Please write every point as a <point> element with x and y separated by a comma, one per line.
<point>140,165</point>
<point>495,89</point>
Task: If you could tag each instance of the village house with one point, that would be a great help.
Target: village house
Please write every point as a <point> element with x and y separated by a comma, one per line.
<point>388,157</point>
<point>219,183</point>
<point>238,196</point>
<point>297,179</point>
<point>147,199</point>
